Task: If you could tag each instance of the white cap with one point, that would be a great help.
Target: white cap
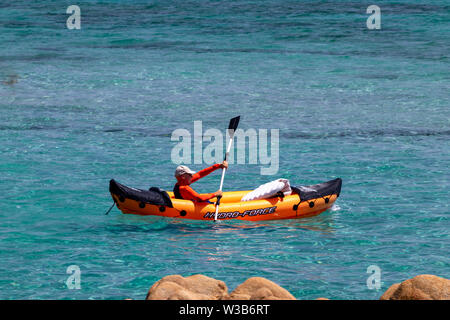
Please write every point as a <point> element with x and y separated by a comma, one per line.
<point>180,170</point>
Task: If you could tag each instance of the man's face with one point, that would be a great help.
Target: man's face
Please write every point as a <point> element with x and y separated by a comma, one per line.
<point>185,178</point>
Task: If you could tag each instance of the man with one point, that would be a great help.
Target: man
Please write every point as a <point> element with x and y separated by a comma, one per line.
<point>186,176</point>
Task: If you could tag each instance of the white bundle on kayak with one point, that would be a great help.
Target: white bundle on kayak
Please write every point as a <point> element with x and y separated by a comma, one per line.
<point>268,190</point>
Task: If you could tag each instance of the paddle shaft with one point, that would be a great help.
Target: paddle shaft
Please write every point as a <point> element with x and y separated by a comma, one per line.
<point>223,175</point>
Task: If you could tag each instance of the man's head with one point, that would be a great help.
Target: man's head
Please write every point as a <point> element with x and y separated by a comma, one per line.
<point>183,175</point>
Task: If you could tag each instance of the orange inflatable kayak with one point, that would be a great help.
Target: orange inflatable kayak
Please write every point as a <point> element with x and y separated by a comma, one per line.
<point>303,202</point>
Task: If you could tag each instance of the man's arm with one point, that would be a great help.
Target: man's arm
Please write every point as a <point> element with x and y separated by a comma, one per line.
<point>190,194</point>
<point>205,172</point>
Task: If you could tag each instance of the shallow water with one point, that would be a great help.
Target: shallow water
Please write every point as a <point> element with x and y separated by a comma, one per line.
<point>79,107</point>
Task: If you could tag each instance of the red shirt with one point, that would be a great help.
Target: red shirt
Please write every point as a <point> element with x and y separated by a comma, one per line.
<point>189,194</point>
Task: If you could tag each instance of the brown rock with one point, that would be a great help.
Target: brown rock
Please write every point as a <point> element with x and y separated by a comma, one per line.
<point>390,291</point>
<point>421,287</point>
<point>258,288</point>
<point>196,287</point>
<point>237,296</point>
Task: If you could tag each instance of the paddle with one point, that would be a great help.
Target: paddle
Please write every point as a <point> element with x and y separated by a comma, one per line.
<point>231,129</point>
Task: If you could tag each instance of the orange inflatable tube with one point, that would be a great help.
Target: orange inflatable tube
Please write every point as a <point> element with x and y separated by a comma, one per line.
<point>303,202</point>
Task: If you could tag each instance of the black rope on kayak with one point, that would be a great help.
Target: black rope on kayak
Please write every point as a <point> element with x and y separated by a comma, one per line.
<point>110,208</point>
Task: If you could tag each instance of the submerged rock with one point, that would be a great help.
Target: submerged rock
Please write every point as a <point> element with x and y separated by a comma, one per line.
<point>421,287</point>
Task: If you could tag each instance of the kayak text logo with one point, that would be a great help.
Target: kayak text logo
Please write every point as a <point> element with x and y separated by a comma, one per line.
<point>235,214</point>
<point>214,151</point>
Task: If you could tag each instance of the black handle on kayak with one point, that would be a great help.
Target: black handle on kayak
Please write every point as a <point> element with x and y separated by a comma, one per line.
<point>218,200</point>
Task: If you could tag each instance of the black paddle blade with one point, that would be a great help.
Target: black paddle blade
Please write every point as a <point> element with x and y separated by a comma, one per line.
<point>234,123</point>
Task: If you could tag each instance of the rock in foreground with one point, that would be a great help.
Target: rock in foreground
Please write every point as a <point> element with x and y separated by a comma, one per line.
<point>196,287</point>
<point>200,287</point>
<point>421,287</point>
<point>258,288</point>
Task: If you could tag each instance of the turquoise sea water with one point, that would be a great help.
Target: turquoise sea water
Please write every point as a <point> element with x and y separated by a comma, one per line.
<point>79,107</point>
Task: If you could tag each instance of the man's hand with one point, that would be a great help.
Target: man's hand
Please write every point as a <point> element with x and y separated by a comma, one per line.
<point>224,164</point>
<point>218,193</point>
